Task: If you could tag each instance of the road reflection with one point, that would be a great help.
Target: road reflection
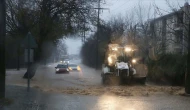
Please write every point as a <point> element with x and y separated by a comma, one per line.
<point>111,102</point>
<point>80,74</point>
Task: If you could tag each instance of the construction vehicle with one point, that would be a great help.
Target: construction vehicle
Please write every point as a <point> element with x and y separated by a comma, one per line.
<point>122,65</point>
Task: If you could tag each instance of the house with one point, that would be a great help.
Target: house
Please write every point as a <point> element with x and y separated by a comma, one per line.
<point>170,32</point>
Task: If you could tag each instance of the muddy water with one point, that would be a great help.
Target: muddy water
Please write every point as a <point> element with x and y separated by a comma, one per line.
<point>85,82</point>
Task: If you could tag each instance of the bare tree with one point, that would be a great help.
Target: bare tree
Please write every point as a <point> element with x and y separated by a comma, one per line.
<point>179,27</point>
<point>143,32</point>
<point>110,32</point>
<point>47,20</point>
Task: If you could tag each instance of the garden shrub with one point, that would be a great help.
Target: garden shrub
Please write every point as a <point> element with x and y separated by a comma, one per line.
<point>168,68</point>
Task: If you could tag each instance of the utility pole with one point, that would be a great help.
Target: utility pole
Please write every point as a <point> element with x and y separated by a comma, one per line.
<point>18,56</point>
<point>84,32</point>
<point>97,42</point>
<point>187,77</point>
<point>187,32</point>
<point>98,33</point>
<point>2,48</point>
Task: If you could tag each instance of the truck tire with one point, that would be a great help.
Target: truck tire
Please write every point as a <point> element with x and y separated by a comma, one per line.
<point>105,79</point>
<point>143,80</point>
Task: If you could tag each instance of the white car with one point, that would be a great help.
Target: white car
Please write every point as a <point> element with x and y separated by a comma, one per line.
<point>74,67</point>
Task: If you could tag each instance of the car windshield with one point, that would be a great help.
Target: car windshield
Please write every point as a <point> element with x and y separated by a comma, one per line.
<point>62,66</point>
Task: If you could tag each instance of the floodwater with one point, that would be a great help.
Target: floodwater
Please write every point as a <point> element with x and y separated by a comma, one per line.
<point>84,82</point>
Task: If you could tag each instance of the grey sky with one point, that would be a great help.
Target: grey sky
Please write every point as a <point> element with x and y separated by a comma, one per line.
<point>121,8</point>
<point>74,46</point>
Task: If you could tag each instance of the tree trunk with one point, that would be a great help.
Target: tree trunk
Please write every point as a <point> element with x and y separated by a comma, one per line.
<point>18,58</point>
<point>187,78</point>
<point>2,48</point>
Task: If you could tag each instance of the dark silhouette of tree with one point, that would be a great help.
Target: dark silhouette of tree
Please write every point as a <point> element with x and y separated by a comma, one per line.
<point>47,20</point>
<point>107,33</point>
<point>183,15</point>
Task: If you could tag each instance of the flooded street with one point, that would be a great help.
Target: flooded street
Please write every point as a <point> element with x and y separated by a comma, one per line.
<point>84,91</point>
<point>84,82</point>
<point>39,100</point>
<point>46,78</point>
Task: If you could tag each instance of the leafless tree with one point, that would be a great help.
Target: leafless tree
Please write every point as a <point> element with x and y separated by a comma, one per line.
<point>142,33</point>
<point>47,20</point>
<point>179,27</point>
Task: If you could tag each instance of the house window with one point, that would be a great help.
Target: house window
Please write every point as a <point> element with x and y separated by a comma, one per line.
<point>179,36</point>
<point>180,18</point>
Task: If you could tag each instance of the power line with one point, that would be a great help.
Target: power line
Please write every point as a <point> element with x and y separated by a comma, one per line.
<point>121,6</point>
<point>98,23</point>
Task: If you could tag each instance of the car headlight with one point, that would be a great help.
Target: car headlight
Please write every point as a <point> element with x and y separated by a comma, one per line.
<point>61,61</point>
<point>57,69</point>
<point>134,61</point>
<point>67,69</point>
<point>70,68</point>
<point>78,68</point>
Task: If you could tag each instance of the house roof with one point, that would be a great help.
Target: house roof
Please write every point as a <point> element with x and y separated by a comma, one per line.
<point>167,16</point>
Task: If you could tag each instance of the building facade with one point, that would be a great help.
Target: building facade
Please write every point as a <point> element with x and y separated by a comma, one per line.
<point>170,31</point>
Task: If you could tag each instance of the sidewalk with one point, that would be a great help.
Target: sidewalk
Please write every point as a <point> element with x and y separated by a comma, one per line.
<point>37,100</point>
<point>22,100</point>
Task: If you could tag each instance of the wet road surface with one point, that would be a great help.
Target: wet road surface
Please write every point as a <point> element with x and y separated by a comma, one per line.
<point>37,100</point>
<point>85,82</point>
<point>45,77</point>
<point>83,91</point>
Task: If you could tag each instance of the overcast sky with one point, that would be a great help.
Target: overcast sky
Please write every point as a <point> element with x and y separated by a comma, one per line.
<point>121,8</point>
<point>74,46</point>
